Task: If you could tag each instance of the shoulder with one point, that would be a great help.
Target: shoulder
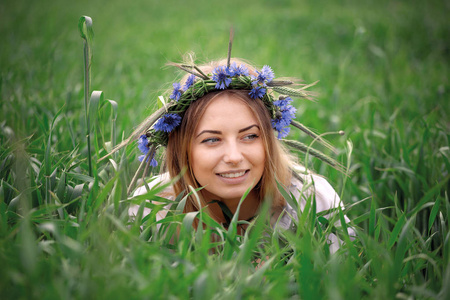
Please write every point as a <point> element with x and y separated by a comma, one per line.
<point>313,185</point>
<point>153,182</point>
<point>157,180</point>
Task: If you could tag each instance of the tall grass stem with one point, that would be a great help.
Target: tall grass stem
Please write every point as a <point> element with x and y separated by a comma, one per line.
<point>87,33</point>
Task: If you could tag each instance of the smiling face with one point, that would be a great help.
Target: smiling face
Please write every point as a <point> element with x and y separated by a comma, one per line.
<point>227,151</point>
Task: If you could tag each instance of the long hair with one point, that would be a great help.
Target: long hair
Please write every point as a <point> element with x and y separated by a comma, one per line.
<point>178,152</point>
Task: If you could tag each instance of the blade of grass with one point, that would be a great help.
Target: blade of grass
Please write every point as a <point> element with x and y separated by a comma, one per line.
<point>372,218</point>
<point>434,212</point>
<point>396,231</point>
<point>114,113</point>
<point>87,34</point>
<point>48,158</point>
<point>94,102</point>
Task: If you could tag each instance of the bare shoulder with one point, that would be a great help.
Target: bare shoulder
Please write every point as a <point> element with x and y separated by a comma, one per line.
<point>155,181</point>
<point>309,184</point>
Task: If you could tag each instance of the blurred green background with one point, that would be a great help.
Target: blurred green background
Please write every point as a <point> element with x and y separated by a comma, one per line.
<point>384,54</point>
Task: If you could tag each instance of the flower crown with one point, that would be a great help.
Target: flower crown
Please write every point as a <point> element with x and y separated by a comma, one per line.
<point>223,77</point>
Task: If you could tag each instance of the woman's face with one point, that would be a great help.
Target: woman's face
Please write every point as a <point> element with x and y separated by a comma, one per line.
<point>227,151</point>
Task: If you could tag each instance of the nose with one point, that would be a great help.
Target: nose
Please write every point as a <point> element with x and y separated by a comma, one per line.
<point>232,154</point>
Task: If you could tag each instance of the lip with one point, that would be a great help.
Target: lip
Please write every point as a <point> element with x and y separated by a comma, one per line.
<point>233,180</point>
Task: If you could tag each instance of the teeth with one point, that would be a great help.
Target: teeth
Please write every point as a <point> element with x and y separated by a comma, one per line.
<point>232,175</point>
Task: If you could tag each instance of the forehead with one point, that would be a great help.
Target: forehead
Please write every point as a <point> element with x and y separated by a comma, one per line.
<point>226,111</point>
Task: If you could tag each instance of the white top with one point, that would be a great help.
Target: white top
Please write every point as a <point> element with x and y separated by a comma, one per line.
<point>325,196</point>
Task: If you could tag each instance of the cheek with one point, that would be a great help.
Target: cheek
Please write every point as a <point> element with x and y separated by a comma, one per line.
<point>258,157</point>
<point>202,164</point>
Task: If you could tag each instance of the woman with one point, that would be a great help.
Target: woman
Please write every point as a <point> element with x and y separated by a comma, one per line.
<point>219,127</point>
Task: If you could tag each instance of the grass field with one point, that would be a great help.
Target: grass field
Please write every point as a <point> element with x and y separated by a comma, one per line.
<point>383,68</point>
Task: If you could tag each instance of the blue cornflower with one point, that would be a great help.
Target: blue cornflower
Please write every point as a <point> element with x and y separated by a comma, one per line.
<point>167,122</point>
<point>142,145</point>
<point>283,102</point>
<point>283,119</point>
<point>221,76</point>
<point>288,113</point>
<point>257,92</point>
<point>232,70</point>
<point>153,162</point>
<point>189,81</point>
<point>283,132</point>
<point>237,71</point>
<point>177,91</point>
<point>264,76</point>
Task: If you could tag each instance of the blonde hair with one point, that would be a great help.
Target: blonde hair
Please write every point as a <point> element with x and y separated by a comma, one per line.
<point>178,154</point>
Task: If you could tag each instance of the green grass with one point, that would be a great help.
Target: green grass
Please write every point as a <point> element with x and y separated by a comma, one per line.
<point>383,71</point>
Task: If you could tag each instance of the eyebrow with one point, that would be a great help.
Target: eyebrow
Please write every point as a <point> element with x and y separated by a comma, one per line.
<point>247,128</point>
<point>220,132</point>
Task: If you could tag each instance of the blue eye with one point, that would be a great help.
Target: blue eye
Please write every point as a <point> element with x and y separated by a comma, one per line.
<point>210,140</point>
<point>251,137</point>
